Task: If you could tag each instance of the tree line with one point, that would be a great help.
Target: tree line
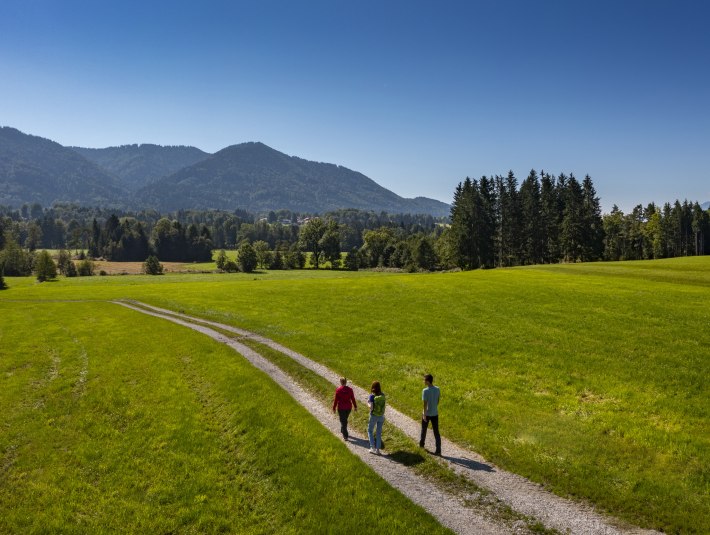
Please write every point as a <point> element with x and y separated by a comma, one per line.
<point>494,222</point>
<point>74,227</point>
<point>558,219</point>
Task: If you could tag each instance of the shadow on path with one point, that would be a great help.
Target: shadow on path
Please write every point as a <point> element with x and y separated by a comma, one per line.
<point>361,442</point>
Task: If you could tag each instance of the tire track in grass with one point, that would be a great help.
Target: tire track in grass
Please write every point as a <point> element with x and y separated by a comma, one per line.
<point>80,384</point>
<point>520,494</point>
<point>449,510</point>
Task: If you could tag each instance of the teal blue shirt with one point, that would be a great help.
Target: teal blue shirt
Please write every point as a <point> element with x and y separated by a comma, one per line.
<point>431,395</point>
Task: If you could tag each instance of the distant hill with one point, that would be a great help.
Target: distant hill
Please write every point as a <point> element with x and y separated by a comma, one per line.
<point>705,205</point>
<point>34,169</point>
<point>139,165</point>
<point>250,176</point>
<point>255,177</point>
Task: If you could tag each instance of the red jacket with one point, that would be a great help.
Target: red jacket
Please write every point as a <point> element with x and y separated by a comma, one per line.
<point>344,398</point>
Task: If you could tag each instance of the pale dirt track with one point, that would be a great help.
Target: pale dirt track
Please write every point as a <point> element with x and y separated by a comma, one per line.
<point>451,511</point>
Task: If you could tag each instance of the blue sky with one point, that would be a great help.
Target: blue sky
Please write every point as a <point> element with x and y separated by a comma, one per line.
<point>416,95</point>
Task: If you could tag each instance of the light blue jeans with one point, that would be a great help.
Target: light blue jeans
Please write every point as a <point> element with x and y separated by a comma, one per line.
<point>375,420</point>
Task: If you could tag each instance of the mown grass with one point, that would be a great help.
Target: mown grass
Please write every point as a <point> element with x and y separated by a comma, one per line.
<point>589,378</point>
<point>115,422</point>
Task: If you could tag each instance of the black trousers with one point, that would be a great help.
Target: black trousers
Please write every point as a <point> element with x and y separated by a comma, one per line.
<point>344,421</point>
<point>435,427</point>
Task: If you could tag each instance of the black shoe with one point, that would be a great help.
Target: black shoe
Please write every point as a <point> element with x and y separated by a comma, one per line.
<point>437,453</point>
<point>421,444</point>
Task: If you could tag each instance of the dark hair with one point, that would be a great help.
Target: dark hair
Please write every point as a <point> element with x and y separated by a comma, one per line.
<point>429,378</point>
<point>375,388</point>
<point>343,380</point>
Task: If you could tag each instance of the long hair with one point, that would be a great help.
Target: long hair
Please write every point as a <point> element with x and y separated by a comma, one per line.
<point>375,388</point>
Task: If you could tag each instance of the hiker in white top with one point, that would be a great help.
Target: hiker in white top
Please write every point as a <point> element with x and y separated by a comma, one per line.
<point>430,413</point>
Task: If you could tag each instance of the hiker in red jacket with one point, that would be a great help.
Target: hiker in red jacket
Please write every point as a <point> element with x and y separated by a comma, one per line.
<point>344,401</point>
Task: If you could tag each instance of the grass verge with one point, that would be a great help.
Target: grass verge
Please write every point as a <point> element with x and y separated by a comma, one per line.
<point>115,422</point>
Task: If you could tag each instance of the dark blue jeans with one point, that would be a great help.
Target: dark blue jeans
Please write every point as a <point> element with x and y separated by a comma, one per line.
<point>435,427</point>
<point>344,421</point>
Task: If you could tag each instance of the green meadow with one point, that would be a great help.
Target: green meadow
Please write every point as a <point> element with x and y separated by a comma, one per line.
<point>588,378</point>
<point>117,422</point>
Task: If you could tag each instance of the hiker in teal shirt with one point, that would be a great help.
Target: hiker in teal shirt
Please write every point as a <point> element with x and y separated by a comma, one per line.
<point>430,396</point>
<point>376,402</point>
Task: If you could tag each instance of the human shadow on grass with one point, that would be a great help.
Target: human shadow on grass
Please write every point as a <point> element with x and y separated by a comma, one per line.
<point>469,463</point>
<point>406,458</point>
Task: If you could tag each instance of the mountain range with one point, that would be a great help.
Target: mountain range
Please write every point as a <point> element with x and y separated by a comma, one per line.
<point>139,165</point>
<point>248,176</point>
<point>37,170</point>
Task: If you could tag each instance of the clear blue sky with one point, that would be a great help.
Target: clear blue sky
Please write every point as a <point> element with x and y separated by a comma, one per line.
<point>415,94</point>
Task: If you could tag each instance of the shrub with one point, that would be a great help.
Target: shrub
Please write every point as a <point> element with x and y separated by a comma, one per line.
<point>277,262</point>
<point>152,266</point>
<point>222,260</point>
<point>15,261</point>
<point>86,268</point>
<point>351,262</point>
<point>63,261</point>
<point>230,266</point>
<point>70,270</point>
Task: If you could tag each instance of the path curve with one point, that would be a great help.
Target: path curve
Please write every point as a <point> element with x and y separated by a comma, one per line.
<point>517,492</point>
<point>449,510</point>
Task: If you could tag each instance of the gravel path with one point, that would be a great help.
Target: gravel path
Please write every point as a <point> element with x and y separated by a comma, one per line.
<point>520,494</point>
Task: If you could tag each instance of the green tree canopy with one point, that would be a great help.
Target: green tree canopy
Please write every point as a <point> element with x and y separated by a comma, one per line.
<point>45,269</point>
<point>246,257</point>
<point>310,237</point>
<point>152,266</point>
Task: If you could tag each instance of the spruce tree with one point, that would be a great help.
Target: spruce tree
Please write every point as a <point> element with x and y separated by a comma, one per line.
<point>549,219</point>
<point>592,226</point>
<point>572,236</point>
<point>45,268</point>
<point>488,221</point>
<point>531,242</point>
<point>510,220</point>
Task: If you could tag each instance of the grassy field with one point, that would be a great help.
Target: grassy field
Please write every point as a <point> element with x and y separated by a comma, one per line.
<point>589,378</point>
<point>115,422</point>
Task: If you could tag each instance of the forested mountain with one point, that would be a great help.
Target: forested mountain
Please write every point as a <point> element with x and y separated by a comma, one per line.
<point>249,176</point>
<point>37,170</point>
<point>705,205</point>
<point>255,177</point>
<point>139,165</point>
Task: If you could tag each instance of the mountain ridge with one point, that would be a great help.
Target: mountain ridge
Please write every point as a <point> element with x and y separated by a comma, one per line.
<point>137,165</point>
<point>37,170</point>
<point>250,176</point>
<point>257,177</point>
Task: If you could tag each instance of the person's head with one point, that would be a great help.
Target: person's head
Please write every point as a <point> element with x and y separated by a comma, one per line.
<point>343,381</point>
<point>376,388</point>
<point>429,379</point>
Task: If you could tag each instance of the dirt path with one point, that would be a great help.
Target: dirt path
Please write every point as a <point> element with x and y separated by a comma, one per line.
<point>520,494</point>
